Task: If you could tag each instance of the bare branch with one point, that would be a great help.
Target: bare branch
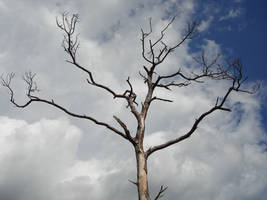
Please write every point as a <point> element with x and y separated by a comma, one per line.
<point>165,50</point>
<point>81,116</point>
<point>168,85</point>
<point>52,102</point>
<point>185,136</point>
<point>235,75</point>
<point>29,79</point>
<point>212,70</point>
<point>143,76</point>
<point>6,82</point>
<point>159,40</point>
<point>191,30</point>
<point>70,44</point>
<point>161,192</point>
<point>162,33</point>
<point>160,99</point>
<point>129,94</point>
<point>135,183</point>
<point>127,132</point>
<point>143,38</point>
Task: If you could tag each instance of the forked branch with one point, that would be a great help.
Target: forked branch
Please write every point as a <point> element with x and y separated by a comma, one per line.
<point>126,131</point>
<point>155,52</point>
<point>70,44</point>
<point>158,56</point>
<point>161,192</point>
<point>211,70</point>
<point>234,74</point>
<point>32,87</point>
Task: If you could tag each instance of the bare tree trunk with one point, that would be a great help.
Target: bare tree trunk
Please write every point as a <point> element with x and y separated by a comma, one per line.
<point>142,183</point>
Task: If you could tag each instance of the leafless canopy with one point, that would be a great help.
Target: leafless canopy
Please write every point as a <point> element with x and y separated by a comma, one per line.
<point>154,52</point>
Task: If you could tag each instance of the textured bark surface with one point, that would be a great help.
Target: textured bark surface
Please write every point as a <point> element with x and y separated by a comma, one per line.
<point>142,181</point>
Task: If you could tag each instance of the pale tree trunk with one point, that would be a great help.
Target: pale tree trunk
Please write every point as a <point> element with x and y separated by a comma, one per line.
<point>142,182</point>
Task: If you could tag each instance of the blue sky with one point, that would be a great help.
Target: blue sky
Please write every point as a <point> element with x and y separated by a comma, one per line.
<point>250,43</point>
<point>247,37</point>
<point>242,36</point>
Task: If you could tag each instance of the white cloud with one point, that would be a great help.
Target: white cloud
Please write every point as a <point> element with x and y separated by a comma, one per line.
<point>233,13</point>
<point>34,156</point>
<point>215,163</point>
<point>39,161</point>
<point>205,24</point>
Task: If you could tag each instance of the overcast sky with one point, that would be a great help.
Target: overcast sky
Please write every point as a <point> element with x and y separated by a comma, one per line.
<point>45,154</point>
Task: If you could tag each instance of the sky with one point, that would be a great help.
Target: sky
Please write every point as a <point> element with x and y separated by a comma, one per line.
<point>45,154</point>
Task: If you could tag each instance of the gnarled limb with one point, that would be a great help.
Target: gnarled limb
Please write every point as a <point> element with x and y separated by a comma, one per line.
<point>234,73</point>
<point>32,87</point>
<point>70,45</point>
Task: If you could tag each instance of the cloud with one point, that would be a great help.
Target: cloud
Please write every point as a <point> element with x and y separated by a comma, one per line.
<point>221,161</point>
<point>216,162</point>
<point>204,25</point>
<point>233,13</point>
<point>39,161</point>
<point>212,49</point>
<point>34,156</point>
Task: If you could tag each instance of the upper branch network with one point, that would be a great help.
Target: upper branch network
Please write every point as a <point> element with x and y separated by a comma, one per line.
<point>155,52</point>
<point>70,45</point>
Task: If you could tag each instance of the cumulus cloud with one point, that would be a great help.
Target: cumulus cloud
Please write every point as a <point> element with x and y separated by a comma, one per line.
<point>39,161</point>
<point>217,162</point>
<point>34,156</point>
<point>53,159</point>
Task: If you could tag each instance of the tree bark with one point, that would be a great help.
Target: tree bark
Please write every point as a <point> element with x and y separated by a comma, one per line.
<point>142,182</point>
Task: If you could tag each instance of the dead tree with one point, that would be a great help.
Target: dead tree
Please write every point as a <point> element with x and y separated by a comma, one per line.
<point>154,52</point>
